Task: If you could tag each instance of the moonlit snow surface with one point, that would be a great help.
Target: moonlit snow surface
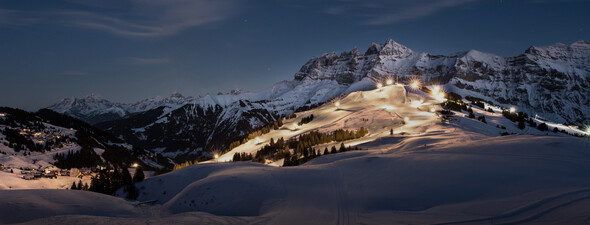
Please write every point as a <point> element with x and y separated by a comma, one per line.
<point>459,172</point>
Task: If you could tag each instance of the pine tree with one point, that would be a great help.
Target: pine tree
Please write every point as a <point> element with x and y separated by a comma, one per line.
<point>126,177</point>
<point>326,151</point>
<point>391,131</point>
<point>139,176</point>
<point>73,186</point>
<point>80,186</point>
<point>333,150</point>
<point>521,124</point>
<point>342,147</point>
<point>543,127</point>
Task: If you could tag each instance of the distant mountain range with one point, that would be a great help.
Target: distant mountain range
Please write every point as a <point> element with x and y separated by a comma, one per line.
<point>552,82</point>
<point>94,109</point>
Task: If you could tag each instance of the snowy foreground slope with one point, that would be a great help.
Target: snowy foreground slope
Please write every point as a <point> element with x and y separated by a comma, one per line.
<point>434,178</point>
<point>459,171</point>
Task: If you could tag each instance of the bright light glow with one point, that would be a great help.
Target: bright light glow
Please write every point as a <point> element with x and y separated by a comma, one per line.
<point>337,104</point>
<point>388,107</point>
<point>432,110</point>
<point>135,165</point>
<point>512,110</point>
<point>389,82</point>
<point>2,114</point>
<point>379,85</point>
<point>438,95</point>
<point>435,90</point>
<point>416,104</point>
<point>414,84</point>
<point>37,134</point>
<point>407,119</point>
<point>216,156</point>
<point>258,140</point>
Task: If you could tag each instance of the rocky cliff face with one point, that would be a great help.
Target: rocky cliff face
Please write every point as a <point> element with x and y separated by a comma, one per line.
<point>550,81</point>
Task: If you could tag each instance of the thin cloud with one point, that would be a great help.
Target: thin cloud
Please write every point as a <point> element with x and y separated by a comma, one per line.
<point>131,18</point>
<point>398,12</point>
<point>147,61</point>
<point>383,12</point>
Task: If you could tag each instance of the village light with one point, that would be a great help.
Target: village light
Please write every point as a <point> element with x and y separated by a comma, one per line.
<point>379,85</point>
<point>216,156</point>
<point>416,104</point>
<point>337,104</point>
<point>440,96</point>
<point>135,165</point>
<point>389,82</point>
<point>432,110</point>
<point>512,110</point>
<point>295,126</point>
<point>435,90</point>
<point>414,84</point>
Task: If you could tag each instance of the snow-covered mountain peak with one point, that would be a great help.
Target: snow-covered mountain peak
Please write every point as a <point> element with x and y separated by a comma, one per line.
<point>93,97</point>
<point>580,43</point>
<point>578,49</point>
<point>484,58</point>
<point>392,48</point>
<point>176,95</point>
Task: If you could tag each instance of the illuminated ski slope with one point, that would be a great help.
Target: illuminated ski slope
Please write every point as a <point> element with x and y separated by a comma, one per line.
<point>394,107</point>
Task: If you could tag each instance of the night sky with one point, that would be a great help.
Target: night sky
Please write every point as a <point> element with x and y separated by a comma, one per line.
<point>127,50</point>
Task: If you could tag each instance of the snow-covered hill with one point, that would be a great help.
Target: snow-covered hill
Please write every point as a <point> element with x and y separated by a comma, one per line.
<point>31,142</point>
<point>433,169</point>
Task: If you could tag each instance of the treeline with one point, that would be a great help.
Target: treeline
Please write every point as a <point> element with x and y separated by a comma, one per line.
<point>456,103</point>
<point>109,181</point>
<point>85,158</point>
<point>311,153</point>
<point>302,145</point>
<point>518,117</point>
<point>185,164</point>
<point>275,125</point>
<point>242,156</point>
<point>316,138</point>
<point>305,120</point>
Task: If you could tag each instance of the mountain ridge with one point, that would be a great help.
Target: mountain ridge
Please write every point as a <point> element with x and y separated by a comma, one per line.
<point>549,81</point>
